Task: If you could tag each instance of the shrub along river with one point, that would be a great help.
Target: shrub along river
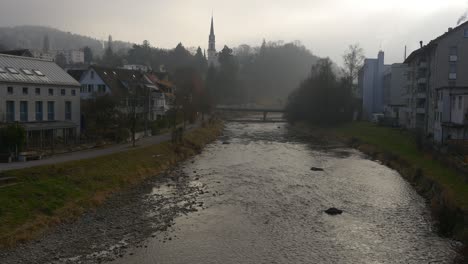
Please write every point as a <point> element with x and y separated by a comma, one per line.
<point>263,204</point>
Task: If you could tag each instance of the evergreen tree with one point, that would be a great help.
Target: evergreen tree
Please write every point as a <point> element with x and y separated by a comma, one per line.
<point>200,62</point>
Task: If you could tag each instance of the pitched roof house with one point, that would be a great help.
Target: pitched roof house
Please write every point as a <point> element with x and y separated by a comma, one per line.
<point>40,96</point>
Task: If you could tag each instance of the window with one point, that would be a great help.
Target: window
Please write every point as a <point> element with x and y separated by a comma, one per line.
<point>10,90</point>
<point>453,51</point>
<point>23,111</point>
<point>453,68</point>
<point>73,92</point>
<point>25,90</point>
<point>50,111</point>
<point>38,73</point>
<point>460,100</point>
<point>51,91</point>
<point>38,91</point>
<point>39,111</point>
<point>90,88</point>
<point>453,71</point>
<point>12,70</point>
<point>83,88</point>
<point>10,111</point>
<point>27,72</point>
<point>68,110</point>
<point>101,88</point>
<point>62,92</point>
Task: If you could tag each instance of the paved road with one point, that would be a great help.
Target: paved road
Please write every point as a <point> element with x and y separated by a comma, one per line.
<point>91,153</point>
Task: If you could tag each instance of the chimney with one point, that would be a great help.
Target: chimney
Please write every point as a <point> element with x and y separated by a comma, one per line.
<point>421,43</point>
<point>405,53</point>
<point>450,29</point>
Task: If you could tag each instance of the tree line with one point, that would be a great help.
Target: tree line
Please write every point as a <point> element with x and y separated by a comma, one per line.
<point>327,97</point>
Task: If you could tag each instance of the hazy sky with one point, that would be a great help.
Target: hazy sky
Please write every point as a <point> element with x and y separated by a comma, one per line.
<point>326,27</point>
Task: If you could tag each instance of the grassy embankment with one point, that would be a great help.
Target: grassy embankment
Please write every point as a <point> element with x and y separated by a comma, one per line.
<point>444,187</point>
<point>51,194</point>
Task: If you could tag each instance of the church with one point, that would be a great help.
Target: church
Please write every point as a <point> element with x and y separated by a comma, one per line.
<point>212,54</point>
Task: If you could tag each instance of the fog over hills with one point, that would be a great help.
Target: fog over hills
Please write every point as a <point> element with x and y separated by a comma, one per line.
<point>32,37</point>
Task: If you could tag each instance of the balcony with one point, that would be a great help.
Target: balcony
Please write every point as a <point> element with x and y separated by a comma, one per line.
<point>422,80</point>
<point>453,58</point>
<point>452,76</point>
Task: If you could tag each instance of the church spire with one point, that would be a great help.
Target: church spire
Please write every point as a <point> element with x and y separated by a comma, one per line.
<point>212,26</point>
<point>212,56</point>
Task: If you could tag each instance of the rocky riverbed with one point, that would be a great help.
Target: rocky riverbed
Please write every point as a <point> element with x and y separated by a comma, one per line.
<point>122,223</point>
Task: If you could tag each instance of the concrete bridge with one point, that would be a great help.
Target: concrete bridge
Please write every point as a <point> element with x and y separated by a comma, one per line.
<point>251,109</point>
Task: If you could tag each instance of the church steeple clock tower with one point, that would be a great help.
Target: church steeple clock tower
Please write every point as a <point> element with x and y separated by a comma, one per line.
<point>212,56</point>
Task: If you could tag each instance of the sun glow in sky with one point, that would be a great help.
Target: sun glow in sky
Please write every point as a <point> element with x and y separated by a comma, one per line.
<point>325,27</point>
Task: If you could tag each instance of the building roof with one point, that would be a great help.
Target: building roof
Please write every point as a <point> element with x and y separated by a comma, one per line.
<point>433,43</point>
<point>118,79</point>
<point>18,52</point>
<point>16,69</point>
<point>76,74</point>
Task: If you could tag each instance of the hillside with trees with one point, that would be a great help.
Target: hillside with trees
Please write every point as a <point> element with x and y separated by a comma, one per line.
<point>32,37</point>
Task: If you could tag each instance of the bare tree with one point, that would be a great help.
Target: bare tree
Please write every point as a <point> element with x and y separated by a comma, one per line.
<point>353,61</point>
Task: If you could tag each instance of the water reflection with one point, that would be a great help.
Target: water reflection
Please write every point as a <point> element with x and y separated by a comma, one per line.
<point>265,205</point>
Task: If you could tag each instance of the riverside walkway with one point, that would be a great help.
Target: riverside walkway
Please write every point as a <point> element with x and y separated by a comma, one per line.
<point>92,153</point>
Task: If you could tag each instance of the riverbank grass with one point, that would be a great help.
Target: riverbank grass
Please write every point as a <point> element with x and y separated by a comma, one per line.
<point>401,144</point>
<point>48,195</point>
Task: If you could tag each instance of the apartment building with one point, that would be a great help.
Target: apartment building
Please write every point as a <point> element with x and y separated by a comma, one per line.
<point>371,83</point>
<point>41,97</point>
<point>436,93</point>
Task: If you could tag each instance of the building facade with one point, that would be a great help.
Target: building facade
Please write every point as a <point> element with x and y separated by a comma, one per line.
<point>395,83</point>
<point>71,56</point>
<point>41,97</point>
<point>99,81</point>
<point>371,83</point>
<point>438,84</point>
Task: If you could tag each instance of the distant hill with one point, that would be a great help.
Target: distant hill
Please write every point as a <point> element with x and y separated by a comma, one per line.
<point>32,37</point>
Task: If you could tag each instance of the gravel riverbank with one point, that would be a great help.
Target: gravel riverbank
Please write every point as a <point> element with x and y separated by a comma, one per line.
<point>123,222</point>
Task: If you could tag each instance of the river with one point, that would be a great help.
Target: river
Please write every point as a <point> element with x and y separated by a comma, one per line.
<point>263,204</point>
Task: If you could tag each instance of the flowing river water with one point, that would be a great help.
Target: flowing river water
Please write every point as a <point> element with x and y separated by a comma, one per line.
<point>264,205</point>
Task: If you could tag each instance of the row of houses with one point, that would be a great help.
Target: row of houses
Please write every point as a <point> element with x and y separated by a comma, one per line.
<point>45,99</point>
<point>427,92</point>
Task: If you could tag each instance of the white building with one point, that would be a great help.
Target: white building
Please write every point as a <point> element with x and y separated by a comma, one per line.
<point>41,54</point>
<point>136,67</point>
<point>71,56</point>
<point>40,96</point>
<point>98,81</point>
<point>371,82</point>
